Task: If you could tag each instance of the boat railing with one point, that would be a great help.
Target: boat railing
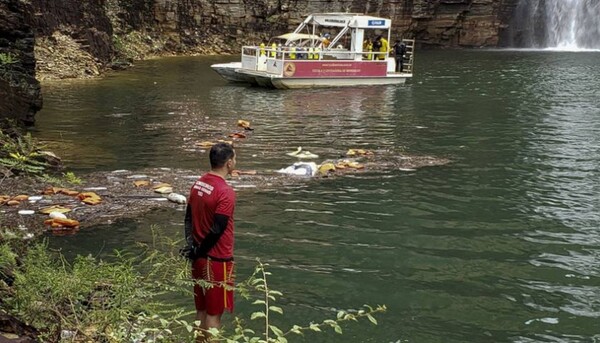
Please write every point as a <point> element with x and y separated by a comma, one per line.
<point>263,59</point>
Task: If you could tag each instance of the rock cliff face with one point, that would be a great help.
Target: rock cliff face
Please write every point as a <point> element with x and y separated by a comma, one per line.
<point>225,24</point>
<point>77,38</point>
<point>20,96</point>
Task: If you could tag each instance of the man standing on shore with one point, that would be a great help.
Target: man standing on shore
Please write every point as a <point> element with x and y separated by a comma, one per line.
<point>209,235</point>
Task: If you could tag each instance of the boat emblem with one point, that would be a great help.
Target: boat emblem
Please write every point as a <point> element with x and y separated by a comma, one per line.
<point>289,69</point>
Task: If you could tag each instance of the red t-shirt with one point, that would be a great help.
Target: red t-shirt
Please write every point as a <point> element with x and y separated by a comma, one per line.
<point>211,195</point>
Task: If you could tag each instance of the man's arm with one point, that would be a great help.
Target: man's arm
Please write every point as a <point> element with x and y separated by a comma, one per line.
<point>215,232</point>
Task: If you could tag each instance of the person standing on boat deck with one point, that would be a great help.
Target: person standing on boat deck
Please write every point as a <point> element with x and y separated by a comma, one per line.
<point>209,235</point>
<point>384,48</point>
<point>399,52</point>
<point>368,47</point>
<point>326,40</point>
<point>376,48</point>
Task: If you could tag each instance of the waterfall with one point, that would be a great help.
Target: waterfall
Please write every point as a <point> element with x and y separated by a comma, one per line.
<point>557,24</point>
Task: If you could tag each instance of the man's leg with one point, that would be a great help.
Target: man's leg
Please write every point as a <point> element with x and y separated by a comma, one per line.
<point>200,336</point>
<point>207,321</point>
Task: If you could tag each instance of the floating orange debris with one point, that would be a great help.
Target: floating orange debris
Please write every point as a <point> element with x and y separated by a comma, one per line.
<point>141,183</point>
<point>4,199</point>
<point>358,152</point>
<point>21,197</point>
<point>237,135</point>
<point>205,144</point>
<point>62,222</point>
<point>245,124</point>
<point>89,198</point>
<point>13,202</point>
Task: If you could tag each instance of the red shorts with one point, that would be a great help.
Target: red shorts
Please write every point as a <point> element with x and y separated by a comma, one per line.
<point>216,299</point>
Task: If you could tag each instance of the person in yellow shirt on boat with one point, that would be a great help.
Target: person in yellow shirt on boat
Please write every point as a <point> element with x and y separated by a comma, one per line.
<point>384,48</point>
<point>326,40</point>
<point>368,47</point>
<point>274,48</point>
<point>262,49</point>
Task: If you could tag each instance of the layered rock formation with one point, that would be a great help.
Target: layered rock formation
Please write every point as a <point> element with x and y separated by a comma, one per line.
<point>20,96</point>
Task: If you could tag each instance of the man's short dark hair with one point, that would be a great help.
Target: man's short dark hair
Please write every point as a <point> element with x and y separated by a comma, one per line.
<point>219,154</point>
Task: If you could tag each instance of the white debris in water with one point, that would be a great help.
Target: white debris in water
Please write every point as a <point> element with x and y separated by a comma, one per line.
<point>120,171</point>
<point>35,198</point>
<point>158,199</point>
<point>245,186</point>
<point>138,176</point>
<point>26,212</point>
<point>55,215</point>
<point>177,198</point>
<point>95,189</point>
<point>165,169</point>
<point>546,320</point>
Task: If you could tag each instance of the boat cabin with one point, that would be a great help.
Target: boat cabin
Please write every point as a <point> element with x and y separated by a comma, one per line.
<point>326,49</point>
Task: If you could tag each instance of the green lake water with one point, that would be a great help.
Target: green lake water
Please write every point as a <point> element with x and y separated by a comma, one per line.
<point>501,245</point>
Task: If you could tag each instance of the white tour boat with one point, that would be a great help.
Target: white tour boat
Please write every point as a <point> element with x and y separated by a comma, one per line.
<point>325,50</point>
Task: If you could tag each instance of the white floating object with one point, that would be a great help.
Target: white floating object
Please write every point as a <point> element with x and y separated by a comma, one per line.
<point>28,235</point>
<point>295,152</point>
<point>300,169</point>
<point>55,215</point>
<point>159,199</point>
<point>26,212</point>
<point>138,176</point>
<point>245,186</point>
<point>307,154</point>
<point>177,198</point>
<point>95,189</point>
<point>120,171</point>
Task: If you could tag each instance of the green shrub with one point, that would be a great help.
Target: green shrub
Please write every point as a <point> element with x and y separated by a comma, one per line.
<point>20,154</point>
<point>123,300</point>
<point>7,58</point>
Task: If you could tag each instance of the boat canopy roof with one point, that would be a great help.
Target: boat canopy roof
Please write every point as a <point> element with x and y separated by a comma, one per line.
<point>299,36</point>
<point>352,20</point>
